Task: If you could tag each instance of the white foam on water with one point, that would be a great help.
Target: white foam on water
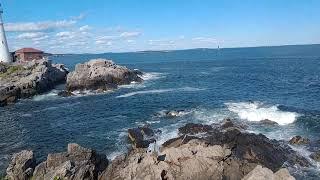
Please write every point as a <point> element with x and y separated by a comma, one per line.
<point>256,111</point>
<point>159,91</point>
<point>152,76</point>
<point>48,96</point>
<point>133,85</point>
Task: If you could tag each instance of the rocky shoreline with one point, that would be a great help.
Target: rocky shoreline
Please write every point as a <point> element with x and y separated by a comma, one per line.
<point>25,80</point>
<point>218,151</point>
<point>100,75</point>
<point>19,81</point>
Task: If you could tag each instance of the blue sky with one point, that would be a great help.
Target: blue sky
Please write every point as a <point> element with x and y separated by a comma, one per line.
<point>93,26</point>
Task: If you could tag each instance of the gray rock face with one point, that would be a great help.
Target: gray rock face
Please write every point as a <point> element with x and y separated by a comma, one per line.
<point>100,74</point>
<point>21,166</point>
<point>219,152</point>
<point>26,80</point>
<point>261,173</point>
<point>77,163</point>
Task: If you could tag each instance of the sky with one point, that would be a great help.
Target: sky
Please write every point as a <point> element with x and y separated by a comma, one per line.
<point>98,26</point>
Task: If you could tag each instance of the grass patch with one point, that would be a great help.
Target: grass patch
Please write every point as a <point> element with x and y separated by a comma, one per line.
<point>11,70</point>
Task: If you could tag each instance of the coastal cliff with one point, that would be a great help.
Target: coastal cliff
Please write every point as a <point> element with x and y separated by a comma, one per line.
<point>219,151</point>
<point>100,75</point>
<point>29,79</point>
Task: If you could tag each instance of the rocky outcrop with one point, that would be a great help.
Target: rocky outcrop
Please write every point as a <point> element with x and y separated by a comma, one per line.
<point>22,165</point>
<point>220,151</point>
<point>298,140</point>
<point>77,163</point>
<point>223,151</point>
<point>100,74</point>
<point>261,173</point>
<point>26,80</point>
<point>141,137</point>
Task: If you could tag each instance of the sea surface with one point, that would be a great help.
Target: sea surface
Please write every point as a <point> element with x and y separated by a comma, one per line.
<point>281,84</point>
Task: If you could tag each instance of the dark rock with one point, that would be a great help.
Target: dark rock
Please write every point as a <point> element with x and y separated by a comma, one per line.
<point>192,128</point>
<point>174,113</point>
<point>141,137</point>
<point>268,122</point>
<point>22,165</point>
<point>65,93</point>
<point>315,156</point>
<point>298,140</point>
<point>100,74</point>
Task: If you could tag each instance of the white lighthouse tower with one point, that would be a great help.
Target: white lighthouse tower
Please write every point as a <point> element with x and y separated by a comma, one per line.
<point>5,55</point>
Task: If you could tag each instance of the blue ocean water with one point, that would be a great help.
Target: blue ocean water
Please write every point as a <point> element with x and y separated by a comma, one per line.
<point>281,84</point>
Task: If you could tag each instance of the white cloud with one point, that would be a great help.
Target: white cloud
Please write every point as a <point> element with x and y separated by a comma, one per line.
<point>64,34</point>
<point>30,35</point>
<point>205,40</point>
<point>84,28</point>
<point>102,42</point>
<point>130,34</point>
<point>38,26</point>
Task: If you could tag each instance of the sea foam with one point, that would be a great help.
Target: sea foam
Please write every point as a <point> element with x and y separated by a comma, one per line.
<point>159,91</point>
<point>255,111</point>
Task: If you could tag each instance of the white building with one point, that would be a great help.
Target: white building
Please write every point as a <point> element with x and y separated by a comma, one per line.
<point>5,55</point>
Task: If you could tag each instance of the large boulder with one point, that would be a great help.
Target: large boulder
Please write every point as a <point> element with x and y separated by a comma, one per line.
<point>190,161</point>
<point>100,74</point>
<point>261,173</point>
<point>29,79</point>
<point>21,166</point>
<point>77,163</point>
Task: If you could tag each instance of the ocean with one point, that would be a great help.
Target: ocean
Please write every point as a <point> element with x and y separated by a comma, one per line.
<point>281,84</point>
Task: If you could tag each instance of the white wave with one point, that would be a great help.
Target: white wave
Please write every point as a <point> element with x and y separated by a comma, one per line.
<point>255,111</point>
<point>152,76</point>
<point>133,85</point>
<point>159,91</point>
<point>48,96</point>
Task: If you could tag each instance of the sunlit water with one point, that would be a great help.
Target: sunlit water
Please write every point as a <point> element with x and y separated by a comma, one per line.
<point>281,84</point>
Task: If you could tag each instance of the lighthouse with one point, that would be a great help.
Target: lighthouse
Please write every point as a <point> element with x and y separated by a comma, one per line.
<point>5,55</point>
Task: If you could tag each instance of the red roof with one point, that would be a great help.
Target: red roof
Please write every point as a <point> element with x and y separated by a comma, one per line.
<point>29,50</point>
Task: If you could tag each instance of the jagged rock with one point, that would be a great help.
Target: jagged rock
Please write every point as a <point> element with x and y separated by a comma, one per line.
<point>192,128</point>
<point>189,161</point>
<point>100,74</point>
<point>261,173</point>
<point>26,80</point>
<point>298,140</point>
<point>21,166</point>
<point>268,122</point>
<point>141,137</point>
<point>77,163</point>
<point>315,156</point>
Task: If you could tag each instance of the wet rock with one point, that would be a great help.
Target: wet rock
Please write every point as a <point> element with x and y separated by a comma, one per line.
<point>298,140</point>
<point>268,122</point>
<point>65,94</point>
<point>315,156</point>
<point>100,74</point>
<point>77,163</point>
<point>22,165</point>
<point>141,137</point>
<point>192,128</point>
<point>261,173</point>
<point>174,113</point>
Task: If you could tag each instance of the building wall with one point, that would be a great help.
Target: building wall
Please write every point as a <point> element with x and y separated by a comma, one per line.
<point>29,56</point>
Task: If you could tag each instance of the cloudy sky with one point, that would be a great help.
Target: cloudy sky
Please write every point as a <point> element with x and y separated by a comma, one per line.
<point>96,26</point>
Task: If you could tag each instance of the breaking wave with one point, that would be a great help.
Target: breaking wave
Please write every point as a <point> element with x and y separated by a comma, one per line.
<point>159,91</point>
<point>256,111</point>
<point>152,76</point>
